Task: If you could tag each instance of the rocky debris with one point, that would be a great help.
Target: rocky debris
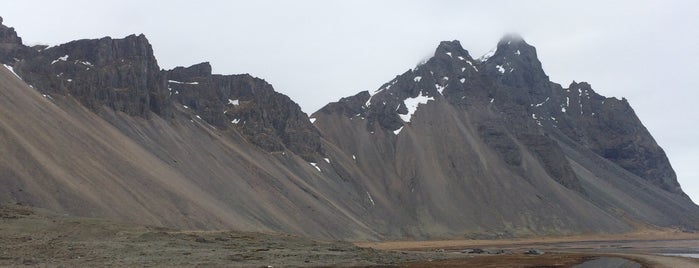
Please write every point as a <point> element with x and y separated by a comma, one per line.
<point>475,251</point>
<point>534,252</point>
<point>497,137</point>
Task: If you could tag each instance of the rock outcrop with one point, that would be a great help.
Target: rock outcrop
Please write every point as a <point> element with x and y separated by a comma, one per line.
<point>10,43</point>
<point>121,74</point>
<point>268,119</point>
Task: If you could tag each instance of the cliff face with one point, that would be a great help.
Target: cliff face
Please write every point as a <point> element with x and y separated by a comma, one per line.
<point>121,74</point>
<point>250,105</point>
<point>456,147</point>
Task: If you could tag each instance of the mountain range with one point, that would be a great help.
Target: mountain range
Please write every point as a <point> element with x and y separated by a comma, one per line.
<point>458,146</point>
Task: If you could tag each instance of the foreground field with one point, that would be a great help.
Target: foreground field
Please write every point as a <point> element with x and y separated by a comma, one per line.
<point>38,238</point>
<point>35,237</point>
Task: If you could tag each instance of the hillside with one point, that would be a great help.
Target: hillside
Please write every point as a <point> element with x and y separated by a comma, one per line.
<point>456,147</point>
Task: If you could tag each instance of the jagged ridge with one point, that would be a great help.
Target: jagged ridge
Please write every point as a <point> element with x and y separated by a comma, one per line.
<point>454,147</point>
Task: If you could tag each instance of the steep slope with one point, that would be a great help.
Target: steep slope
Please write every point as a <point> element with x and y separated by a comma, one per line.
<point>112,136</point>
<point>491,146</point>
<point>182,173</point>
<point>70,160</point>
<point>455,147</point>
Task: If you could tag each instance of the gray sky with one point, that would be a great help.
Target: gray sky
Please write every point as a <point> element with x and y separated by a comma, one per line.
<point>319,51</point>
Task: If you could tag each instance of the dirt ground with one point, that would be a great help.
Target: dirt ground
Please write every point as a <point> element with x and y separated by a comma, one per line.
<point>33,237</point>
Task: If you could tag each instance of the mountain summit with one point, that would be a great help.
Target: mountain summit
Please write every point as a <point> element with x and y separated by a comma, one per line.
<point>456,147</point>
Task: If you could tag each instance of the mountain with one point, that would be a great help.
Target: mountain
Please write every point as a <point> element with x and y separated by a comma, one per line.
<point>456,147</point>
<point>490,145</point>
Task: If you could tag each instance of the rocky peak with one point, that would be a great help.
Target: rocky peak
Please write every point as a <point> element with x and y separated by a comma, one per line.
<point>198,70</point>
<point>10,44</point>
<point>444,76</point>
<point>122,74</point>
<point>515,63</point>
<point>450,49</point>
<point>250,105</point>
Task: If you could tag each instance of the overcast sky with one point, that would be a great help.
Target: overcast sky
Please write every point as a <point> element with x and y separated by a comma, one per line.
<point>319,51</point>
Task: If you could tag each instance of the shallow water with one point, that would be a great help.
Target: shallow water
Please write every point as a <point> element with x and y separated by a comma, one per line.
<point>606,262</point>
<point>690,255</point>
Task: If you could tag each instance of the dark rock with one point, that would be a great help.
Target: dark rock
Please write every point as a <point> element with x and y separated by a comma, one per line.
<point>497,137</point>
<point>534,252</point>
<point>121,74</point>
<point>11,46</point>
<point>268,119</point>
<point>475,251</point>
<point>610,128</point>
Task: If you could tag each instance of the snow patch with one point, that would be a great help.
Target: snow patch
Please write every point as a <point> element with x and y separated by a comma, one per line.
<point>315,165</point>
<point>492,100</point>
<point>12,70</point>
<point>313,120</point>
<point>417,79</point>
<point>412,105</point>
<point>84,63</point>
<point>327,160</point>
<point>539,104</point>
<point>354,157</point>
<point>198,117</point>
<point>463,69</point>
<point>233,102</point>
<point>64,58</point>
<point>517,52</point>
<point>563,109</point>
<point>449,53</point>
<point>397,130</point>
<point>500,69</point>
<point>185,106</point>
<point>370,199</point>
<point>487,55</point>
<point>471,63</point>
<point>461,58</point>
<point>462,80</point>
<point>184,83</point>
<point>440,88</point>
<point>235,121</point>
